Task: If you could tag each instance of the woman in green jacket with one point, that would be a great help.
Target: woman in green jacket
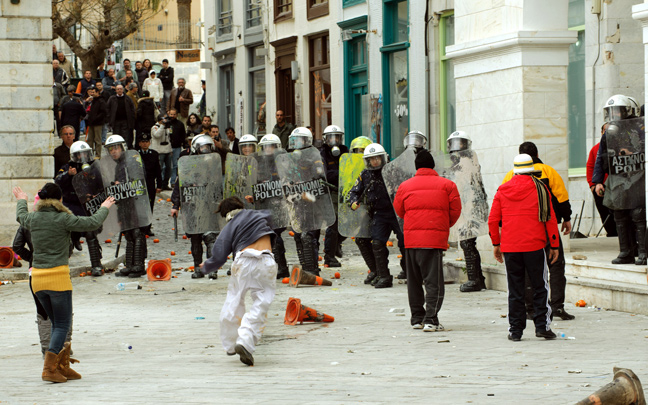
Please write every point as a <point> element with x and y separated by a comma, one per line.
<point>50,226</point>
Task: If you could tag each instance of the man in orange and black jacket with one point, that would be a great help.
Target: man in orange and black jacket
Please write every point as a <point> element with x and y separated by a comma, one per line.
<point>562,211</point>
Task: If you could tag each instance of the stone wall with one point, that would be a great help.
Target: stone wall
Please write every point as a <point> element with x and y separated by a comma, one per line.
<point>26,117</point>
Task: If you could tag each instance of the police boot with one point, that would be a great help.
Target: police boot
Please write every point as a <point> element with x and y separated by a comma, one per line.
<point>95,256</point>
<point>139,254</point>
<point>626,255</point>
<point>210,239</point>
<point>197,253</point>
<point>279,252</point>
<point>472,258</point>
<point>381,253</point>
<point>299,247</point>
<point>310,260</point>
<point>44,332</point>
<point>331,261</point>
<point>640,226</point>
<point>128,260</point>
<point>364,245</point>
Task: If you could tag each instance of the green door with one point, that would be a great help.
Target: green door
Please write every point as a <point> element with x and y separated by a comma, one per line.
<point>356,109</point>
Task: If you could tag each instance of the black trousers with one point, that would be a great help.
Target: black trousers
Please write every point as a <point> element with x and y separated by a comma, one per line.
<point>534,265</point>
<point>605,212</point>
<point>425,284</point>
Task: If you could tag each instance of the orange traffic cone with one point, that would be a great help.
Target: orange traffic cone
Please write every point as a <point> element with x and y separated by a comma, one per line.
<point>300,276</point>
<point>159,270</point>
<point>6,257</point>
<point>296,312</point>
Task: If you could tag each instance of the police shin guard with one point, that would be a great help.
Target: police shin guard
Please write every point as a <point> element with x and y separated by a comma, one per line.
<point>626,255</point>
<point>299,246</point>
<point>197,253</point>
<point>639,220</point>
<point>310,260</point>
<point>279,252</point>
<point>381,253</point>
<point>128,260</point>
<point>139,254</point>
<point>473,267</point>
<point>364,245</point>
<point>94,250</point>
<point>210,238</point>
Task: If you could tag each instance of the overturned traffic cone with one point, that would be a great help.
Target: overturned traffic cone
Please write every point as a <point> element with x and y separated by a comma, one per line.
<point>624,389</point>
<point>300,276</point>
<point>159,270</point>
<point>6,257</point>
<point>296,312</point>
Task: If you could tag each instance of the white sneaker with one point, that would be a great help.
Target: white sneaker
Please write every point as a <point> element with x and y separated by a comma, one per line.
<point>433,328</point>
<point>417,326</point>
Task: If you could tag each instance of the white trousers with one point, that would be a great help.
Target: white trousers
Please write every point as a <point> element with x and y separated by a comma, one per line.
<point>255,271</point>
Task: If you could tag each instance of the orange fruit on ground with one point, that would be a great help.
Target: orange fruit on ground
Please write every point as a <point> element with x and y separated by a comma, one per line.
<point>168,200</point>
<point>337,274</point>
<point>291,233</point>
<point>172,253</point>
<point>173,229</point>
<point>285,280</point>
<point>156,241</point>
<point>81,241</point>
<point>184,236</point>
<point>189,252</point>
<point>399,256</point>
<point>326,265</point>
<point>191,267</point>
<point>319,258</point>
<point>108,241</point>
<point>146,236</point>
<point>82,274</point>
<point>390,243</point>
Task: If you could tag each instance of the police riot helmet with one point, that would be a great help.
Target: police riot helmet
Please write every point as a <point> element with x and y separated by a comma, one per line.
<point>202,144</point>
<point>269,144</point>
<point>247,144</point>
<point>618,107</point>
<point>81,152</point>
<point>359,144</point>
<point>374,156</point>
<point>115,141</point>
<point>636,109</point>
<point>415,138</point>
<point>458,140</point>
<point>300,138</point>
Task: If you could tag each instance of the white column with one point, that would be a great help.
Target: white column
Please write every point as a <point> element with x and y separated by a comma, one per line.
<point>640,13</point>
<point>26,117</point>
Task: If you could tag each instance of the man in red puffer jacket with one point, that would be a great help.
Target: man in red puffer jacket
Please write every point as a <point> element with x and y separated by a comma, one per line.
<point>523,208</point>
<point>430,205</point>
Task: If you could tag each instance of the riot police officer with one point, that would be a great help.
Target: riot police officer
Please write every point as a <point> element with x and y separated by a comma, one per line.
<point>371,184</point>
<point>622,136</point>
<point>331,151</point>
<point>200,145</point>
<point>81,159</point>
<point>247,145</point>
<point>460,141</point>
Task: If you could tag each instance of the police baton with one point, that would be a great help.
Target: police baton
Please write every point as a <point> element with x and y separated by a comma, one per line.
<point>118,245</point>
<point>329,185</point>
<point>175,226</point>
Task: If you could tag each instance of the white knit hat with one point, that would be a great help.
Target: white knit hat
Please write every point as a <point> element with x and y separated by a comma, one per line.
<point>523,164</point>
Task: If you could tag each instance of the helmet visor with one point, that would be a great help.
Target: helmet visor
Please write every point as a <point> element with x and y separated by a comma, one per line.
<point>333,139</point>
<point>457,144</point>
<point>299,142</point>
<point>357,150</point>
<point>247,148</point>
<point>375,162</point>
<point>416,140</point>
<point>85,156</point>
<point>204,149</point>
<point>616,113</point>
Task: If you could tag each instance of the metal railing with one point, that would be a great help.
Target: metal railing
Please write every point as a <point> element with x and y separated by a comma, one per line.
<point>153,36</point>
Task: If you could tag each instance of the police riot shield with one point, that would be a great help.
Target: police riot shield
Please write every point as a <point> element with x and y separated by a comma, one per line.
<point>350,222</point>
<point>625,186</point>
<point>397,171</point>
<point>124,179</point>
<point>303,180</point>
<point>89,188</point>
<point>200,180</point>
<point>462,167</point>
<point>240,177</point>
<point>268,193</point>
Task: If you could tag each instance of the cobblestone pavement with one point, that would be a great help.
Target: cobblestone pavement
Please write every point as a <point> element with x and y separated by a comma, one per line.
<point>368,354</point>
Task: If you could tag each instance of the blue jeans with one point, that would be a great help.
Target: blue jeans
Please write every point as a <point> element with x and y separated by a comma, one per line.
<point>104,133</point>
<point>174,163</point>
<point>58,305</point>
<point>165,166</point>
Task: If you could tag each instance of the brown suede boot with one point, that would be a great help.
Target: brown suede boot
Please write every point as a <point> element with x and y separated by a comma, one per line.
<point>50,369</point>
<point>64,361</point>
